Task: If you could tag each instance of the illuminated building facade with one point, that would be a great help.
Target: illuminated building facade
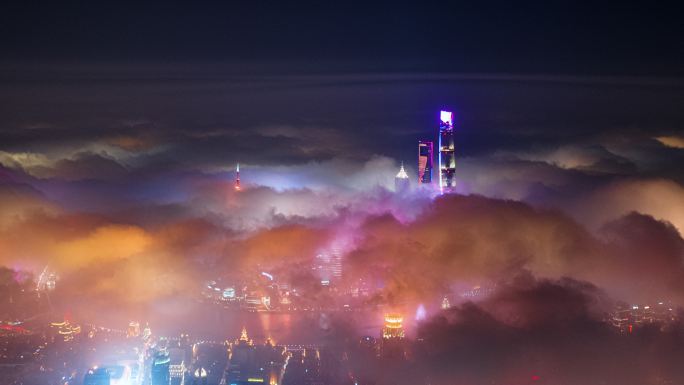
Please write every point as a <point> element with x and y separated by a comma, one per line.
<point>66,330</point>
<point>47,280</point>
<point>159,372</point>
<point>133,330</point>
<point>401,181</point>
<point>328,265</point>
<point>628,318</point>
<point>393,327</point>
<point>425,161</point>
<point>447,156</point>
<point>176,366</point>
<point>250,364</point>
<point>393,345</point>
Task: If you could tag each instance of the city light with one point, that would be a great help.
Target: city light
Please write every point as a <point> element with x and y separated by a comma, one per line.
<point>421,313</point>
<point>393,327</point>
<point>538,239</point>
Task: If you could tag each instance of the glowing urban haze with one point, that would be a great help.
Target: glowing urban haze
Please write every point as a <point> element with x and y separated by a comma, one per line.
<point>229,193</point>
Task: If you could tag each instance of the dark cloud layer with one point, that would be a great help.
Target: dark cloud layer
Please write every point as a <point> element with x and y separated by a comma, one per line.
<point>541,331</point>
<point>474,240</point>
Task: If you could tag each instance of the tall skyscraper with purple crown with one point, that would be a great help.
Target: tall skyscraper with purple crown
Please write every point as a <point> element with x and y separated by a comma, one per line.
<point>447,156</point>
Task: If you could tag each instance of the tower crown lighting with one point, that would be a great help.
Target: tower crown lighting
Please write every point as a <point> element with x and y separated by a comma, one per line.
<point>446,117</point>
<point>394,326</point>
<point>402,173</point>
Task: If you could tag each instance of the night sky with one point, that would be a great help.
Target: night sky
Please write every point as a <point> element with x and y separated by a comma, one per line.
<point>629,38</point>
<point>121,125</point>
<point>348,80</point>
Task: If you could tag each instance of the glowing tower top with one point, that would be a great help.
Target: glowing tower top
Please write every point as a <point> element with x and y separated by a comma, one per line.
<point>244,339</point>
<point>402,173</point>
<point>401,181</point>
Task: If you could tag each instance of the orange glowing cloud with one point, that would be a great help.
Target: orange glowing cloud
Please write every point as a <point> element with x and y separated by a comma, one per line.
<point>107,243</point>
<point>290,243</point>
<point>671,141</point>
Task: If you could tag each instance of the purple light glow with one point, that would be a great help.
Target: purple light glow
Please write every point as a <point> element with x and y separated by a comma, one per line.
<point>446,117</point>
<point>421,313</point>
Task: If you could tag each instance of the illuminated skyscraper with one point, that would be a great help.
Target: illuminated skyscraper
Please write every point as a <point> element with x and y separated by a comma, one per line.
<point>237,178</point>
<point>159,372</point>
<point>401,181</point>
<point>447,157</point>
<point>133,330</point>
<point>425,161</point>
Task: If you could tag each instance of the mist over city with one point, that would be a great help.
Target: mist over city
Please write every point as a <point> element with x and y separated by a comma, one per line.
<point>356,194</point>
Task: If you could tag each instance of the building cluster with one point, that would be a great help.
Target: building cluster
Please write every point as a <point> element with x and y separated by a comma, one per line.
<point>629,318</point>
<point>249,363</point>
<point>327,265</point>
<point>240,362</point>
<point>446,158</point>
<point>257,295</point>
<point>65,330</point>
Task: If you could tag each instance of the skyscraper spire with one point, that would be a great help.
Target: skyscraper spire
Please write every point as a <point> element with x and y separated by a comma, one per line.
<point>237,178</point>
<point>401,181</point>
<point>402,173</point>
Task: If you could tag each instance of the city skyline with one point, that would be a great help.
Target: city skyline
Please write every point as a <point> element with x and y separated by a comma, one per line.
<point>229,193</point>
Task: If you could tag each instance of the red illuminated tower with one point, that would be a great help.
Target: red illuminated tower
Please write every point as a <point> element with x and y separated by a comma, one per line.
<point>237,178</point>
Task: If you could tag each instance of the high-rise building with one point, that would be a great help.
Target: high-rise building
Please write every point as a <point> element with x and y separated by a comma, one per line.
<point>133,330</point>
<point>447,156</point>
<point>249,363</point>
<point>237,177</point>
<point>328,266</point>
<point>176,366</point>
<point>159,373</point>
<point>393,343</point>
<point>401,181</point>
<point>425,161</point>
